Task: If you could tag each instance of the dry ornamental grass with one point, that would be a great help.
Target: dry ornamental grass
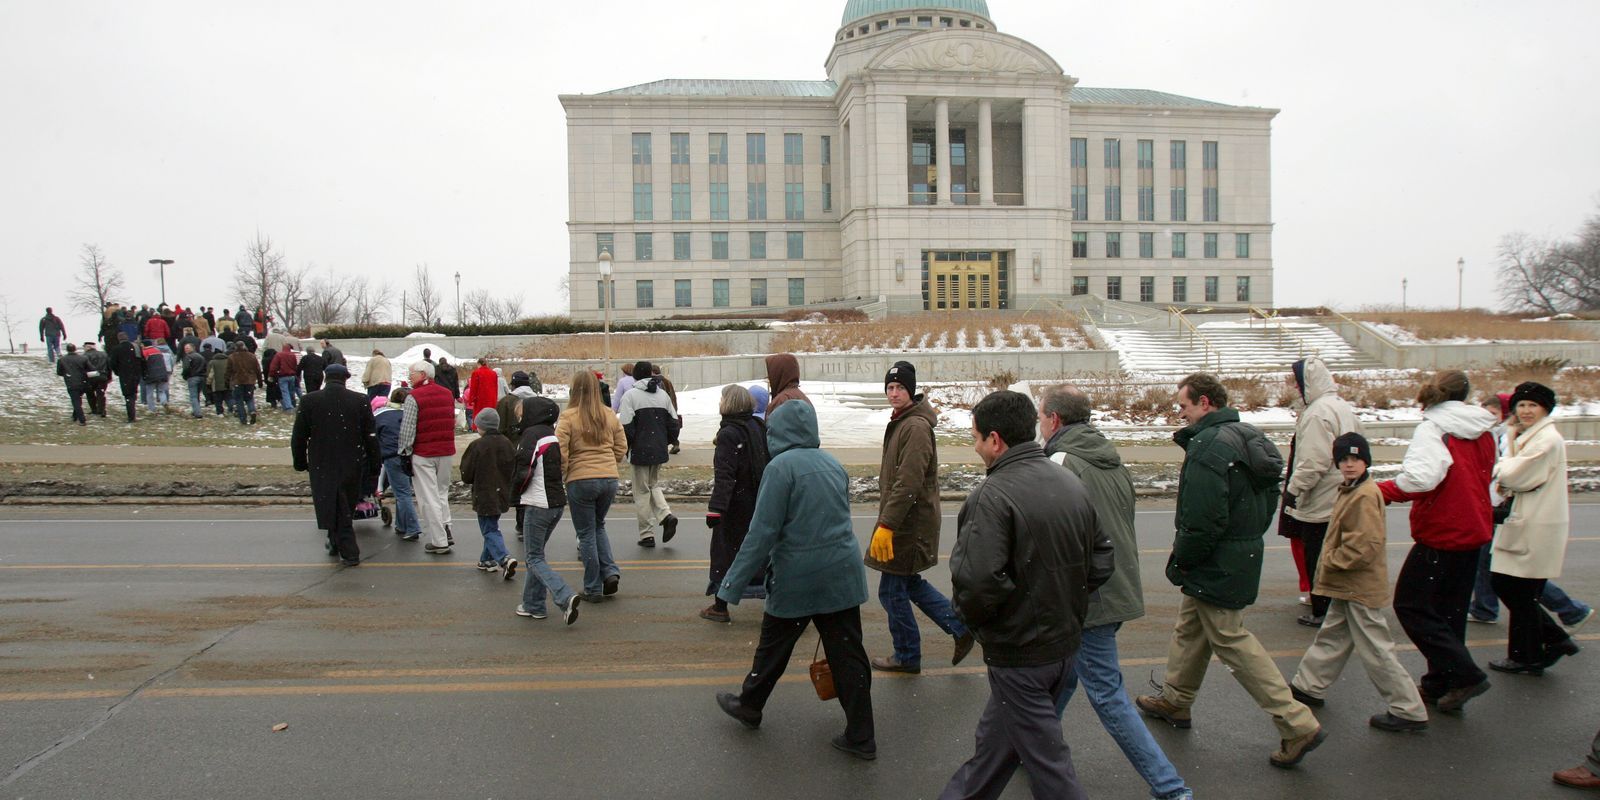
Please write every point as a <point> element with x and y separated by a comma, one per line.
<point>947,331</point>
<point>1469,324</point>
<point>581,347</point>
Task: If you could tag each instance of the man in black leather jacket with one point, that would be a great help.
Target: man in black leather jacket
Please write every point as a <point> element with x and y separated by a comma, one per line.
<point>1029,550</point>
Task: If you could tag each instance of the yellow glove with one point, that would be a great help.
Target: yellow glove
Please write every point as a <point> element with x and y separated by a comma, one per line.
<point>882,547</point>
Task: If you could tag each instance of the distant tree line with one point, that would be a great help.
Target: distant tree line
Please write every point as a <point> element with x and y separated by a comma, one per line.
<point>1551,276</point>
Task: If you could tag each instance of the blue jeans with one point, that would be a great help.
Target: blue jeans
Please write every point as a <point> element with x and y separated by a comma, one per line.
<point>288,391</point>
<point>244,396</point>
<point>537,525</point>
<point>494,545</point>
<point>405,508</point>
<point>1096,665</point>
<point>195,394</point>
<point>589,500</point>
<point>898,593</point>
<point>379,390</point>
<point>52,348</point>
<point>1486,606</point>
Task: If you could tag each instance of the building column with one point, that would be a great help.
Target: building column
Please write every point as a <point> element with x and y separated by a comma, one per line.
<point>985,152</point>
<point>941,126</point>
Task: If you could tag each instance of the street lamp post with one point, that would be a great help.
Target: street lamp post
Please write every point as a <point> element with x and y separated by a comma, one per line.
<point>459,319</point>
<point>162,263</point>
<point>605,300</point>
<point>1461,272</point>
<point>1403,283</point>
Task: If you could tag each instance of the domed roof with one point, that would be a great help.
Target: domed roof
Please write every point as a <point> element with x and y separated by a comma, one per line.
<point>861,9</point>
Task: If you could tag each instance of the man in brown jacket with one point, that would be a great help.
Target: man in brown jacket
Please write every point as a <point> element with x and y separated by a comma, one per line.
<point>906,540</point>
<point>244,372</point>
<point>1353,572</point>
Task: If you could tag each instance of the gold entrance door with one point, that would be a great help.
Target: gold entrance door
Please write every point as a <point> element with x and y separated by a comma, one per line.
<point>961,281</point>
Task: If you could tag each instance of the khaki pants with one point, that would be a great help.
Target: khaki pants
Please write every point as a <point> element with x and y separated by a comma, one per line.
<point>431,482</point>
<point>1355,627</point>
<point>649,501</point>
<point>1204,629</point>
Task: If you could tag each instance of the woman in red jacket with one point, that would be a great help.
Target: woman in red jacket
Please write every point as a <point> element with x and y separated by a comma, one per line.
<point>483,390</point>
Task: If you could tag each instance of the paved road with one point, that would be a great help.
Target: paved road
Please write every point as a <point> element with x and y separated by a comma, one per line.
<point>149,652</point>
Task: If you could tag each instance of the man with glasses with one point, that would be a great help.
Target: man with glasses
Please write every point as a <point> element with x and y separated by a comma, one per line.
<point>428,437</point>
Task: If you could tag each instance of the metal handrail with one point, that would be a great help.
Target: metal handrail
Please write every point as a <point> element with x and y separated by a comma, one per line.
<point>1272,317</point>
<point>1359,325</point>
<point>1211,351</point>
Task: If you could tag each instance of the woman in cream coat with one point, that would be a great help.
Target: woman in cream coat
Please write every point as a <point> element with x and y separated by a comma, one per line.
<point>1531,544</point>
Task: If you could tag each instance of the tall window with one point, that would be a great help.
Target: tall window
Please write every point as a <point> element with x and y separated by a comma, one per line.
<point>1180,245</point>
<point>719,292</point>
<point>1211,288</point>
<point>1147,180</point>
<point>680,175</point>
<point>758,291</point>
<point>1080,284</point>
<point>680,246</point>
<point>1113,287</point>
<point>922,173</point>
<point>794,186</point>
<point>1241,245</point>
<point>644,294</point>
<point>644,248</point>
<point>758,244</point>
<point>605,243</point>
<point>797,291</point>
<point>1180,181</point>
<point>1113,245</point>
<point>755,159</point>
<point>718,145</point>
<point>683,293</point>
<point>1113,179</point>
<point>1211,245</point>
<point>1208,157</point>
<point>797,245</point>
<point>1147,289</point>
<point>827,173</point>
<point>958,168</point>
<point>1180,289</point>
<point>1080,245</point>
<point>1080,179</point>
<point>643,204</point>
<point>1147,245</point>
<point>1242,288</point>
<point>719,245</point>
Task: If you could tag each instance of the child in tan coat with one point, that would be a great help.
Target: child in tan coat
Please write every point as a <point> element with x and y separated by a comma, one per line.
<point>1353,570</point>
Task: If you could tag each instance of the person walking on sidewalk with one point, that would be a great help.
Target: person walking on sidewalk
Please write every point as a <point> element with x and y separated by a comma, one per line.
<point>651,424</point>
<point>801,536</point>
<point>1531,545</point>
<point>542,498</point>
<point>1312,482</point>
<point>334,440</point>
<point>1445,476</point>
<point>905,541</point>
<point>737,465</point>
<point>592,444</point>
<point>486,466</point>
<point>428,436</point>
<point>1029,552</point>
<point>1072,442</point>
<point>1354,574</point>
<point>386,420</point>
<point>1227,490</point>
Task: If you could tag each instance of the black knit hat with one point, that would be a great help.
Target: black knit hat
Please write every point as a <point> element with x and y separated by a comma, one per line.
<point>1352,444</point>
<point>904,374</point>
<point>1536,392</point>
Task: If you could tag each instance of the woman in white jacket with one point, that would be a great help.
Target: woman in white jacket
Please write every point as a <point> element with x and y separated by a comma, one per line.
<point>1531,544</point>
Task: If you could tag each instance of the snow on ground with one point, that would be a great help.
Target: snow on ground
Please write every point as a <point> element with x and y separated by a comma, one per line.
<point>401,364</point>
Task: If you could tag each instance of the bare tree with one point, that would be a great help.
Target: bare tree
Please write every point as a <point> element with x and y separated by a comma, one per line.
<point>96,282</point>
<point>1551,276</point>
<point>256,277</point>
<point>287,300</point>
<point>482,306</point>
<point>564,286</point>
<point>9,321</point>
<point>369,302</point>
<point>424,301</point>
<point>329,298</point>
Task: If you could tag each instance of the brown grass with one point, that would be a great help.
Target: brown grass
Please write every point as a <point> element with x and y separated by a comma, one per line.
<point>585,346</point>
<point>1433,325</point>
<point>925,331</point>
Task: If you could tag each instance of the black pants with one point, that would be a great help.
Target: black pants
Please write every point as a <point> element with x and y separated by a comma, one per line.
<point>130,394</point>
<point>97,396</point>
<point>75,393</point>
<point>1533,633</point>
<point>847,657</point>
<point>1430,599</point>
<point>1311,535</point>
<point>1019,727</point>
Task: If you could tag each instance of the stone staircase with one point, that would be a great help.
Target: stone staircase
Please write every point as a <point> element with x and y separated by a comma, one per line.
<point>1232,347</point>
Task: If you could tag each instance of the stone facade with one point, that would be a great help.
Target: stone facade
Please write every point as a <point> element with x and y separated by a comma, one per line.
<point>937,168</point>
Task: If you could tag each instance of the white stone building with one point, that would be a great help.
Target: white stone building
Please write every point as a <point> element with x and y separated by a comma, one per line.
<point>942,165</point>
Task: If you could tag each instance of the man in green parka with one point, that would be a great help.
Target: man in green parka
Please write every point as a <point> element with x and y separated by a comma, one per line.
<point>1227,492</point>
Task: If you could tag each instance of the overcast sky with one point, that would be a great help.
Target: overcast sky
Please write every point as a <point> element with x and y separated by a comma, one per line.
<point>367,137</point>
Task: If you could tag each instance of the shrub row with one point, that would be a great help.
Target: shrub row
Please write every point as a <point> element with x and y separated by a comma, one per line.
<point>535,325</point>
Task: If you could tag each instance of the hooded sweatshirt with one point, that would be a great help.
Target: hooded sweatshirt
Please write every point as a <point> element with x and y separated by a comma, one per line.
<point>650,421</point>
<point>1445,476</point>
<point>1313,478</point>
<point>783,375</point>
<point>1088,454</point>
<point>538,470</point>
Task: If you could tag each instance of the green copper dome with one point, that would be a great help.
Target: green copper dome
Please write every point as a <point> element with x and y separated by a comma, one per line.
<point>861,9</point>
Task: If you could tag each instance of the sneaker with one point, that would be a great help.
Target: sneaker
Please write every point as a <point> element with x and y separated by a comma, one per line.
<point>669,529</point>
<point>1155,705</point>
<point>963,647</point>
<point>430,547</point>
<point>712,614</point>
<point>1308,699</point>
<point>570,614</point>
<point>1483,620</point>
<point>892,664</point>
<point>1573,628</point>
<point>729,703</point>
<point>522,611</point>
<point>865,752</point>
<point>488,566</point>
<point>609,587</point>
<point>647,541</point>
<point>591,599</point>
<point>508,565</point>
<point>1394,724</point>
<point>1310,620</point>
<point>1455,699</point>
<point>1292,750</point>
<point>410,537</point>
<point>1305,600</point>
